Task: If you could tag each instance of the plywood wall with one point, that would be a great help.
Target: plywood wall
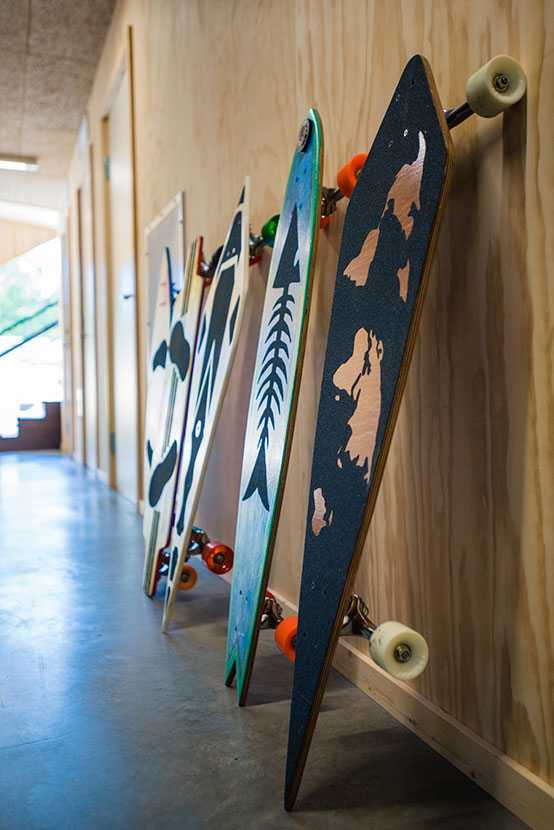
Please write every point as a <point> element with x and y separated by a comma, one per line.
<point>461,546</point>
<point>17,238</point>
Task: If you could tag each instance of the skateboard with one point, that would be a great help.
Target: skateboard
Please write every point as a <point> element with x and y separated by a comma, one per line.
<point>175,352</point>
<point>389,235</point>
<point>217,339</point>
<point>157,363</point>
<point>273,402</point>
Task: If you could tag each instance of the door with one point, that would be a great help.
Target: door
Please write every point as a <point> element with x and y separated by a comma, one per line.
<point>89,313</point>
<point>125,389</point>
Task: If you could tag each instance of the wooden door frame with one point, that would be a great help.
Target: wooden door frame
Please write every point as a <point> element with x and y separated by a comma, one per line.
<point>82,361</point>
<point>89,167</point>
<point>123,66</point>
<point>67,314</point>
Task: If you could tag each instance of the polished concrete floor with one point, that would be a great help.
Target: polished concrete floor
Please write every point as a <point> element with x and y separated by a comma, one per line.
<point>105,723</point>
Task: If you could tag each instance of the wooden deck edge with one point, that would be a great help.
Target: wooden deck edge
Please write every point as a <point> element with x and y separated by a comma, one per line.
<point>519,790</point>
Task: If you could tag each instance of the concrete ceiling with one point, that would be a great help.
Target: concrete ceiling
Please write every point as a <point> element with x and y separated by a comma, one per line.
<point>49,52</point>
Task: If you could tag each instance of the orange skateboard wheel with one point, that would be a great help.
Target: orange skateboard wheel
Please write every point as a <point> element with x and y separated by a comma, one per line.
<point>348,174</point>
<point>218,557</point>
<point>188,578</point>
<point>285,637</point>
<point>324,222</point>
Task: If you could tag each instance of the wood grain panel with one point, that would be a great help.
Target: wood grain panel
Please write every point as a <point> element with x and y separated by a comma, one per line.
<point>462,538</point>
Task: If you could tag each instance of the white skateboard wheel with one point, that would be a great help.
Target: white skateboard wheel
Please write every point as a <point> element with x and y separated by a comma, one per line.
<point>497,85</point>
<point>399,650</point>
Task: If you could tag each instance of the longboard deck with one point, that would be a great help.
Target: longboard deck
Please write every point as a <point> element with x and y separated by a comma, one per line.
<point>218,335</point>
<point>170,417</point>
<point>273,401</point>
<point>156,369</point>
<point>388,238</point>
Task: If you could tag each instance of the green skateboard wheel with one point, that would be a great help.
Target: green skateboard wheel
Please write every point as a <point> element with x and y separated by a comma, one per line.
<point>269,230</point>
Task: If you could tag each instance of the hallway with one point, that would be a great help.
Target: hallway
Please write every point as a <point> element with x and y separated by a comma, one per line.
<point>105,723</point>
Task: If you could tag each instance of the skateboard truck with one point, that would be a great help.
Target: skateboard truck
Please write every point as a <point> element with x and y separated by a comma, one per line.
<point>357,618</point>
<point>265,238</point>
<point>272,612</point>
<point>285,627</point>
<point>346,182</point>
<point>206,269</point>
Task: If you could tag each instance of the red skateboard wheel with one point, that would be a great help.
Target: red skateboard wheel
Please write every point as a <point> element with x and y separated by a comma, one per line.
<point>218,557</point>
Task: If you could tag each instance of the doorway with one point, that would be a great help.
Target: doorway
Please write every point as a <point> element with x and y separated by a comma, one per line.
<point>124,439</point>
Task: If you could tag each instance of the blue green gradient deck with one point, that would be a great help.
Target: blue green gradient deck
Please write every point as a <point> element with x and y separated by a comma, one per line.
<point>273,402</point>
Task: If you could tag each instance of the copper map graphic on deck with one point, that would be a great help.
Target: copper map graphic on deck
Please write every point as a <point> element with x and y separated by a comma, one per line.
<point>379,291</point>
<point>359,377</point>
<point>403,201</point>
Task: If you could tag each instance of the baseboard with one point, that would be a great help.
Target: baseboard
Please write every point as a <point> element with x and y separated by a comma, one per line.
<point>523,793</point>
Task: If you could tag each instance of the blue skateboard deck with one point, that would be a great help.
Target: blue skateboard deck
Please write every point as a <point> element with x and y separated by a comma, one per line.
<point>273,400</point>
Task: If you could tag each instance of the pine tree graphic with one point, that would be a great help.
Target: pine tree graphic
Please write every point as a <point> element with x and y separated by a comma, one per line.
<point>270,390</point>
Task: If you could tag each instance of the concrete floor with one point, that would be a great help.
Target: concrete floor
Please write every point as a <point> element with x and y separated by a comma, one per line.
<point>105,723</point>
